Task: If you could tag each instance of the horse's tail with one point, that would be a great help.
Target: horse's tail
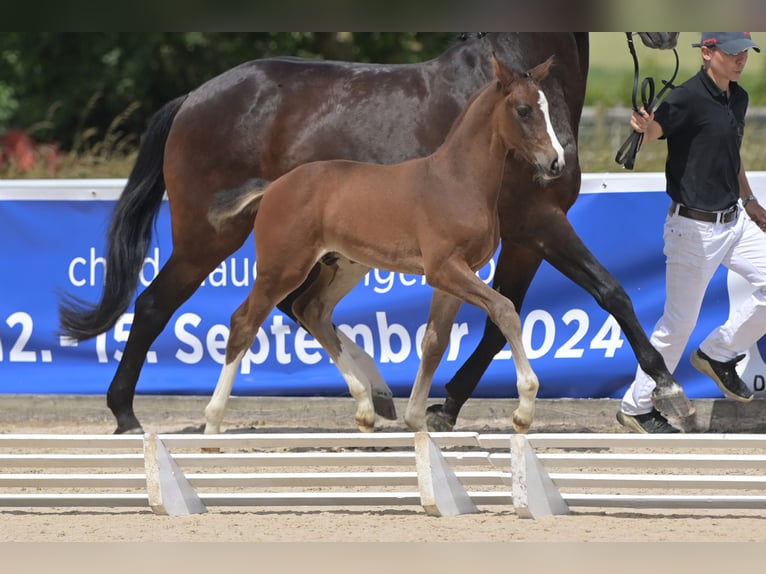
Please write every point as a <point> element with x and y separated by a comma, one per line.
<point>129,237</point>
<point>243,199</point>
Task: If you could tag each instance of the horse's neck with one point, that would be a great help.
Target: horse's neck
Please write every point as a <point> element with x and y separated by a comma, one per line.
<point>472,145</point>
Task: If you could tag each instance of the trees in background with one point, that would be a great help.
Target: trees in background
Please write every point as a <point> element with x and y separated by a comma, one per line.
<point>80,88</point>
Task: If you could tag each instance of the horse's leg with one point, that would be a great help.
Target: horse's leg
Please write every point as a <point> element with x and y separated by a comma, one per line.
<point>178,279</point>
<point>562,247</point>
<point>566,252</point>
<point>313,308</point>
<point>516,266</point>
<point>444,308</point>
<point>458,279</point>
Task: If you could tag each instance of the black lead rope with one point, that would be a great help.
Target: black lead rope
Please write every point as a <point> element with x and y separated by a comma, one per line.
<point>626,155</point>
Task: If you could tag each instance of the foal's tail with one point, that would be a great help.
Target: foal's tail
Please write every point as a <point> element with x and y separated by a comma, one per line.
<point>244,199</point>
<point>130,233</point>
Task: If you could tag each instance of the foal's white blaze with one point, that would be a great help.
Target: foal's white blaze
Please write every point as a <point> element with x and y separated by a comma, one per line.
<point>543,103</point>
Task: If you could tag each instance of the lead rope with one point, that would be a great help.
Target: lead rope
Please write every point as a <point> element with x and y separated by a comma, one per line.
<point>626,155</point>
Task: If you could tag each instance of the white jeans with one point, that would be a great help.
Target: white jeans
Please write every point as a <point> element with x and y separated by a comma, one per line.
<point>693,251</point>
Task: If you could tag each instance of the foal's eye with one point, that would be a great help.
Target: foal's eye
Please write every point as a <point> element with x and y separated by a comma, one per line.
<point>523,110</point>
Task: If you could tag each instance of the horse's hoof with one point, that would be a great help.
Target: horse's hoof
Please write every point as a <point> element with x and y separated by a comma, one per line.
<point>671,401</point>
<point>439,421</point>
<point>365,428</point>
<point>383,405</point>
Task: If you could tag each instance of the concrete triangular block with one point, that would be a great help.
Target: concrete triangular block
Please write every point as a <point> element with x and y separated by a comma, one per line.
<point>169,491</point>
<point>534,494</point>
<point>441,492</point>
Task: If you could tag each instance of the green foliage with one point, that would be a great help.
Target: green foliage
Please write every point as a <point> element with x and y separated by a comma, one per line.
<point>8,103</point>
<point>93,93</point>
<point>72,86</point>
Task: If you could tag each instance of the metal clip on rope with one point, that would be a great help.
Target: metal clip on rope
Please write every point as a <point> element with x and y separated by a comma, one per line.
<point>626,155</point>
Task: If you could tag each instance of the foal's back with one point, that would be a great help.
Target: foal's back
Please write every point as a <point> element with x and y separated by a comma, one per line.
<point>385,216</point>
<point>370,213</point>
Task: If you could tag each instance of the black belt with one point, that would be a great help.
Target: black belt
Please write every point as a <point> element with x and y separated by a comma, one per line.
<point>725,216</point>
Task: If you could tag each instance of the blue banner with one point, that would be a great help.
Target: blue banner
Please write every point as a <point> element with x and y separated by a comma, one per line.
<point>54,240</point>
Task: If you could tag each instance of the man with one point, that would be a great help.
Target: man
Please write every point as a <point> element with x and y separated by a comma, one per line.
<point>713,220</point>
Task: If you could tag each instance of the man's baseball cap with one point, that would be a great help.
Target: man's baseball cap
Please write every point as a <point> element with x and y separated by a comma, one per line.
<point>729,42</point>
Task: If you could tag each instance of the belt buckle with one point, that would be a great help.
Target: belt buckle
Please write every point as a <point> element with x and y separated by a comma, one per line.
<point>725,214</point>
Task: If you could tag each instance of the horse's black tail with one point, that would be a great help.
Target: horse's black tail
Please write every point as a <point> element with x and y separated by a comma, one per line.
<point>130,233</point>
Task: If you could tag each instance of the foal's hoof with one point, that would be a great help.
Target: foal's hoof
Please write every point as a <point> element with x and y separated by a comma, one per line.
<point>129,430</point>
<point>439,421</point>
<point>383,403</point>
<point>520,429</point>
<point>519,426</point>
<point>671,401</point>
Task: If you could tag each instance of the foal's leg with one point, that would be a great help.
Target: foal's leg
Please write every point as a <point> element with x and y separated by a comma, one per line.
<point>516,266</point>
<point>315,307</point>
<point>245,323</point>
<point>271,285</point>
<point>314,310</point>
<point>457,278</point>
<point>444,308</point>
<point>382,397</point>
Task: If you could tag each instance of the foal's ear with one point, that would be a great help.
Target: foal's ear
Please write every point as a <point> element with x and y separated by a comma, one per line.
<point>503,74</point>
<point>539,72</point>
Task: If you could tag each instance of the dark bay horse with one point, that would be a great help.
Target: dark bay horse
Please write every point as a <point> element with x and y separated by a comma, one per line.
<point>434,216</point>
<point>265,117</point>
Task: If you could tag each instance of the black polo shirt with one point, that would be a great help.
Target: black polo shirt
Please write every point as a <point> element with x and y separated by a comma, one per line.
<point>704,131</point>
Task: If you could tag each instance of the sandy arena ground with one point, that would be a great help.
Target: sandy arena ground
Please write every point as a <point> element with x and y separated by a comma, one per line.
<point>383,539</point>
<point>359,524</point>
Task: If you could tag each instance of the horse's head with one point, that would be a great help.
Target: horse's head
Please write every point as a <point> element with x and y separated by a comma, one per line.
<point>659,40</point>
<point>522,119</point>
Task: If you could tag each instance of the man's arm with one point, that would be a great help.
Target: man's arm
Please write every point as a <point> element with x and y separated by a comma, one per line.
<point>749,202</point>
